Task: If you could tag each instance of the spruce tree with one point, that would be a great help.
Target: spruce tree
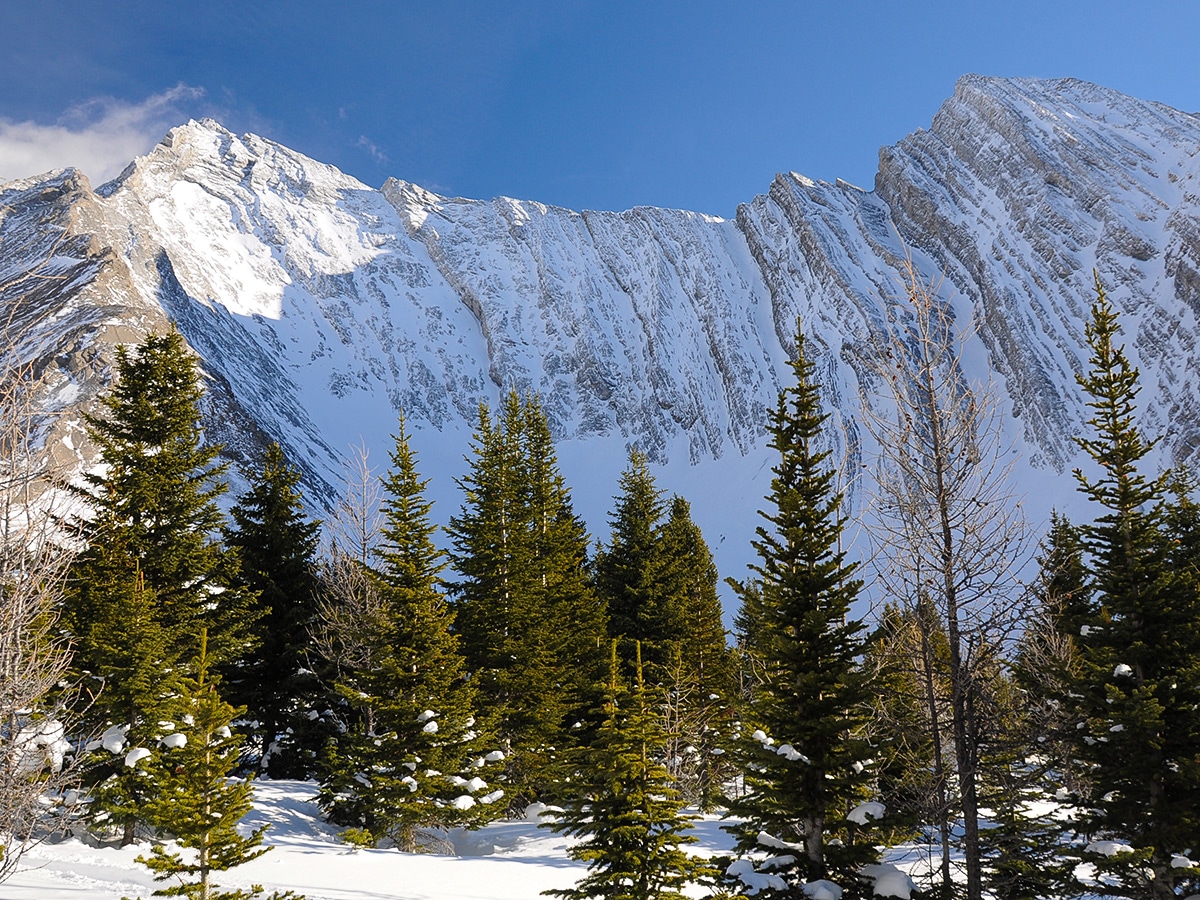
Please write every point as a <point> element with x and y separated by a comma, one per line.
<point>157,495</point>
<point>153,574</point>
<point>1139,690</point>
<point>277,544</point>
<point>560,560</point>
<point>625,809</point>
<point>630,571</point>
<point>194,800</point>
<point>700,682</point>
<point>806,765</point>
<point>414,765</point>
<point>531,626</point>
<point>130,682</point>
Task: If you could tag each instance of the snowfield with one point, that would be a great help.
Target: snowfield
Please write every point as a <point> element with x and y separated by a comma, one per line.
<point>512,860</point>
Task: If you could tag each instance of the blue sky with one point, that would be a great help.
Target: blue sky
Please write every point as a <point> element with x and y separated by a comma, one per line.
<point>599,104</point>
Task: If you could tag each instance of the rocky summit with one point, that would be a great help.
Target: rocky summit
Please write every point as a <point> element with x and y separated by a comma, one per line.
<point>321,307</point>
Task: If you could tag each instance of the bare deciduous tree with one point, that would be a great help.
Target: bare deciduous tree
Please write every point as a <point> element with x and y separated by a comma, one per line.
<point>352,617</point>
<point>948,532</point>
<point>36,765</point>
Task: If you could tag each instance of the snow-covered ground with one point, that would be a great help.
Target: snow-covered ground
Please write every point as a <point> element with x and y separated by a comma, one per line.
<point>504,861</point>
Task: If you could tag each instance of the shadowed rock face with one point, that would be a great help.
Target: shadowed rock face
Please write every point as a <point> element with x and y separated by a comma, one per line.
<point>320,307</point>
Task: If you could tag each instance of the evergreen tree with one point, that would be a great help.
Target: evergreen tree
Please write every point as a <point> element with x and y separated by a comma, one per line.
<point>906,660</point>
<point>700,677</point>
<point>531,627</point>
<point>1062,588</point>
<point>194,799</point>
<point>1023,850</point>
<point>1140,658</point>
<point>413,764</point>
<point>277,544</point>
<point>132,682</point>
<point>626,811</point>
<point>806,765</point>
<point>1028,761</point>
<point>153,574</point>
<point>630,571</point>
<point>157,495</point>
<point>658,580</point>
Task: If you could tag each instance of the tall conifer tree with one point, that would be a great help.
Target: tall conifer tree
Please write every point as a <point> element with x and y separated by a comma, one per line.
<point>806,763</point>
<point>413,765</point>
<point>153,575</point>
<point>277,543</point>
<point>157,495</point>
<point>625,809</point>
<point>1140,657</point>
<point>701,681</point>
<point>531,627</point>
<point>631,570</point>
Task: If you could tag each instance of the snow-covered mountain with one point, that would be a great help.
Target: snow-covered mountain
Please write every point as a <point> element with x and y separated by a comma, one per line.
<point>321,307</point>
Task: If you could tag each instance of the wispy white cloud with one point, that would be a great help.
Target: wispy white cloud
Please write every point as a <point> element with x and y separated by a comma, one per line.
<point>372,148</point>
<point>100,137</point>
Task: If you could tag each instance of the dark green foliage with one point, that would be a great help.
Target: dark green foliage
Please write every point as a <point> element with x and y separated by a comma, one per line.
<point>194,800</point>
<point>625,808</point>
<point>700,674</point>
<point>131,681</point>
<point>277,544</point>
<point>691,577</point>
<point>805,768</point>
<point>157,496</point>
<point>1024,856</point>
<point>153,574</point>
<point>1139,684</point>
<point>660,585</point>
<point>907,659</point>
<point>531,627</point>
<point>1063,589</point>
<point>631,573</point>
<point>409,763</point>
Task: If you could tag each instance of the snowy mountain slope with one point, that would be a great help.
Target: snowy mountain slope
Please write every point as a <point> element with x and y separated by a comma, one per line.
<point>322,307</point>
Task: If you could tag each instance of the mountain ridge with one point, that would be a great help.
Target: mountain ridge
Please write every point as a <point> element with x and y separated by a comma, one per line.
<point>320,307</point>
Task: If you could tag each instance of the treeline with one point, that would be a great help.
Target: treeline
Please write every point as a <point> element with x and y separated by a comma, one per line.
<point>423,687</point>
<point>1028,741</point>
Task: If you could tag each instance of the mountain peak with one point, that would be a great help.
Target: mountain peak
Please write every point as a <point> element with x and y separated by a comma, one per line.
<point>321,307</point>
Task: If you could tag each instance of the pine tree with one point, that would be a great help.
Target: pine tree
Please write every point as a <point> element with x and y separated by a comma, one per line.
<point>153,574</point>
<point>132,679</point>
<point>1140,657</point>
<point>277,544</point>
<point>413,765</point>
<point>530,625</point>
<point>630,571</point>
<point>157,494</point>
<point>194,799</point>
<point>700,682</point>
<point>806,765</point>
<point>625,810</point>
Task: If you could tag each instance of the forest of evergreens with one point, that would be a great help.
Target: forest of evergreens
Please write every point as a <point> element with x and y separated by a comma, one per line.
<point>1041,736</point>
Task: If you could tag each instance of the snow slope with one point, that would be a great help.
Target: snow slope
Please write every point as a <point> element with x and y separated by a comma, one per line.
<point>503,861</point>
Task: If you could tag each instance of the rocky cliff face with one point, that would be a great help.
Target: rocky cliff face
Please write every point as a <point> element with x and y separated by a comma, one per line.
<point>321,307</point>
